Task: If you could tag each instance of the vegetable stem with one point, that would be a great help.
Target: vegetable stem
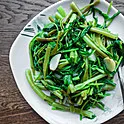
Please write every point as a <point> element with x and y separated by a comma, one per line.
<point>101,31</point>
<point>93,46</point>
<point>61,11</point>
<point>36,89</point>
<point>81,85</point>
<point>46,60</point>
<point>75,8</point>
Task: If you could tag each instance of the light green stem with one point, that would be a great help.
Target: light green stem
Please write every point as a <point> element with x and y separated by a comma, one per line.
<point>75,8</point>
<point>61,11</point>
<point>81,85</point>
<point>93,46</point>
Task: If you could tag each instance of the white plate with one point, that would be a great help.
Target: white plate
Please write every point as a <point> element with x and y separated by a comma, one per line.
<point>19,61</point>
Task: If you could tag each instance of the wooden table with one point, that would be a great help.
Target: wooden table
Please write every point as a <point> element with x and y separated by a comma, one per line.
<point>14,15</point>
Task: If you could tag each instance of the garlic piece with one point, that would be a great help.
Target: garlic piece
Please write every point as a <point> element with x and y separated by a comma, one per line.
<point>110,64</point>
<point>54,62</point>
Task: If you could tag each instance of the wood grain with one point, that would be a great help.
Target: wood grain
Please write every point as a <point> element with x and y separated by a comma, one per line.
<point>14,15</point>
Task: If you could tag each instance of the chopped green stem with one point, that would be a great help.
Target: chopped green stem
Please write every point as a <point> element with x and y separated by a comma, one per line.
<point>54,51</point>
<point>52,32</point>
<point>75,8</point>
<point>85,77</point>
<point>93,46</point>
<point>102,31</point>
<point>76,78</point>
<point>49,81</point>
<point>81,85</point>
<point>62,65</point>
<point>78,94</point>
<point>68,81</point>
<point>71,88</point>
<point>98,69</point>
<point>90,71</point>
<point>96,84</point>
<point>50,87</point>
<point>40,86</point>
<point>99,63</point>
<point>58,16</point>
<point>58,94</point>
<point>45,39</point>
<point>86,8</point>
<point>31,54</point>
<point>66,51</point>
<point>109,8</point>
<point>99,105</point>
<point>84,104</point>
<point>118,63</point>
<point>36,89</point>
<point>99,43</point>
<point>80,101</point>
<point>112,18</point>
<point>84,113</point>
<point>40,50</point>
<point>61,11</point>
<point>51,19</point>
<point>46,60</point>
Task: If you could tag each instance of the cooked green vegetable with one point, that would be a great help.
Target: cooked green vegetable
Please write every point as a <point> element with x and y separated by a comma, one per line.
<point>75,59</point>
<point>61,11</point>
<point>46,61</point>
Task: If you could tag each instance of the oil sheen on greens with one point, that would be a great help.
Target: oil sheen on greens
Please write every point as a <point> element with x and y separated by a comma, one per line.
<point>75,59</point>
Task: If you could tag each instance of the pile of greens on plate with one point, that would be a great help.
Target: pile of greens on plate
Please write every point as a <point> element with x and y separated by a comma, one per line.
<point>75,59</point>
